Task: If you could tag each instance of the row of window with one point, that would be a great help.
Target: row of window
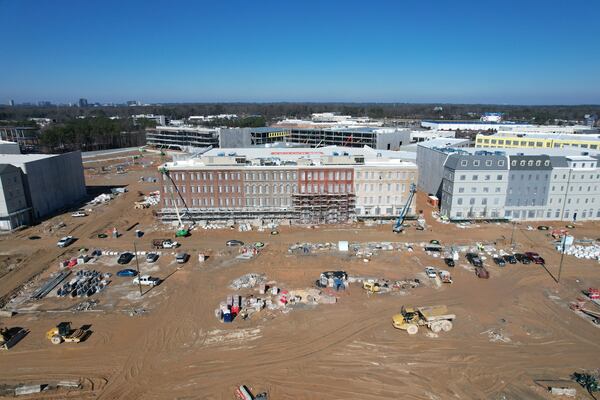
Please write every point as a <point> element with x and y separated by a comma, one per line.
<point>476,177</point>
<point>249,176</point>
<point>382,175</point>
<point>473,201</point>
<point>485,189</point>
<point>330,188</point>
<point>380,187</point>
<point>379,200</point>
<point>552,214</point>
<point>331,175</point>
<point>476,163</point>
<point>231,202</point>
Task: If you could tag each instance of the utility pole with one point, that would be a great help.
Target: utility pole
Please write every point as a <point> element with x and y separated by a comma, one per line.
<point>138,268</point>
<point>562,256</point>
<point>512,235</point>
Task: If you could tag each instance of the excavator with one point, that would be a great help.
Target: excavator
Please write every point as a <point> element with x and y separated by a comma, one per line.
<point>398,225</point>
<point>182,230</point>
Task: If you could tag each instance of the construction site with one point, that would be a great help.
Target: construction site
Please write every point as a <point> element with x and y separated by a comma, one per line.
<point>146,293</point>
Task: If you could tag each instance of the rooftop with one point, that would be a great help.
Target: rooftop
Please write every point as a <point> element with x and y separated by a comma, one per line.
<point>17,159</point>
<point>293,155</point>
<point>541,135</point>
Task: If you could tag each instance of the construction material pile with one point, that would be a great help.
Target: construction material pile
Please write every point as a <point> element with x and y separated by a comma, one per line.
<point>85,284</point>
<point>270,297</point>
<point>587,252</point>
<point>101,199</point>
<point>152,199</point>
<point>248,281</point>
<point>305,248</point>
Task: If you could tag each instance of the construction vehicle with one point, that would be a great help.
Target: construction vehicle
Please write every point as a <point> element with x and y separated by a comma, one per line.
<point>372,287</point>
<point>182,230</point>
<point>435,318</point>
<point>63,333</point>
<point>398,225</point>
<point>11,336</point>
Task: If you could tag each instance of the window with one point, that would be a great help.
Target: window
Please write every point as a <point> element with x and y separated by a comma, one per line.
<point>464,163</point>
<point>513,163</point>
<point>487,177</point>
<point>472,200</point>
<point>501,163</point>
<point>538,163</point>
<point>530,163</point>
<point>484,201</point>
<point>488,163</point>
<point>522,163</point>
<point>461,190</point>
<point>497,189</point>
<point>475,177</point>
<point>463,177</point>
<point>476,163</point>
<point>459,201</point>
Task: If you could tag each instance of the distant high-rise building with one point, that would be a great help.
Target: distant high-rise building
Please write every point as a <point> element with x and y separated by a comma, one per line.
<point>11,103</point>
<point>83,102</point>
<point>44,103</point>
<point>134,103</point>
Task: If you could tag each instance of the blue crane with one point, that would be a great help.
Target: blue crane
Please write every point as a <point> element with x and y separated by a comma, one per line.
<point>398,228</point>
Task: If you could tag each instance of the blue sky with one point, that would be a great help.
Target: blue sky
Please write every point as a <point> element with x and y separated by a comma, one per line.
<point>469,51</point>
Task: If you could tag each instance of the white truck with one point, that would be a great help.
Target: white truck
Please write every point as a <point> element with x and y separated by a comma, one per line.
<point>146,280</point>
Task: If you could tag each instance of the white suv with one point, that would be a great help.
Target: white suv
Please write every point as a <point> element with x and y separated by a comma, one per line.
<point>64,242</point>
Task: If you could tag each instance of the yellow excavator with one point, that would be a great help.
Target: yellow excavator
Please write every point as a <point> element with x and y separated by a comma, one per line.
<point>63,333</point>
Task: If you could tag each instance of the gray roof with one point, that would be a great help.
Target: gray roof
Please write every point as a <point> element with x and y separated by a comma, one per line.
<point>530,162</point>
<point>476,162</point>
<point>559,162</point>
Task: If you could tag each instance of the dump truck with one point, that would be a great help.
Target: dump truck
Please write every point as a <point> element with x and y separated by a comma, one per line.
<point>436,318</point>
<point>11,336</point>
<point>63,333</point>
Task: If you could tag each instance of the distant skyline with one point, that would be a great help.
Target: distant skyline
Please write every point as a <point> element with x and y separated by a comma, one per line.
<point>469,51</point>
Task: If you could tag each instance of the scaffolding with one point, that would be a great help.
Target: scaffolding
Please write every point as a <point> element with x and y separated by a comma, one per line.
<point>231,214</point>
<point>324,208</point>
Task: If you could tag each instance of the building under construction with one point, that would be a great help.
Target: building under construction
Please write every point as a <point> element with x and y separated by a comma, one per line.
<point>306,186</point>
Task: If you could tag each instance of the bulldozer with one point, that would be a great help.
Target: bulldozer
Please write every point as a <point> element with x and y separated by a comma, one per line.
<point>11,336</point>
<point>63,333</point>
<point>435,318</point>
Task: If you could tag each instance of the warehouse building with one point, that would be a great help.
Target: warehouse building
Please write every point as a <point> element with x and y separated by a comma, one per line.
<point>301,185</point>
<point>49,183</point>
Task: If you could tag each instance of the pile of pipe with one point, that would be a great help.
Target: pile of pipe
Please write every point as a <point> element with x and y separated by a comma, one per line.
<point>85,284</point>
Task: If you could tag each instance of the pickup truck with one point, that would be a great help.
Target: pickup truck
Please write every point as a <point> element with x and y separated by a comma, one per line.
<point>164,244</point>
<point>65,241</point>
<point>146,280</point>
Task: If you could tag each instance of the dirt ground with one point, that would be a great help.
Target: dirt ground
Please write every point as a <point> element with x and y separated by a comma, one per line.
<point>511,330</point>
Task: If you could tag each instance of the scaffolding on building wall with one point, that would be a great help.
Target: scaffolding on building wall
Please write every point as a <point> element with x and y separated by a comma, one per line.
<point>324,208</point>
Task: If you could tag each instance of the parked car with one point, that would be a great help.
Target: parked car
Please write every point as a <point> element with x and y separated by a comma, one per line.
<point>170,244</point>
<point>151,257</point>
<point>182,258</point>
<point>79,214</point>
<point>430,272</point>
<point>127,272</point>
<point>65,241</point>
<point>511,259</point>
<point>522,258</point>
<point>474,259</point>
<point>449,262</point>
<point>125,258</point>
<point>234,243</point>
<point>482,273</point>
<point>146,280</point>
<point>499,261</point>
<point>535,257</point>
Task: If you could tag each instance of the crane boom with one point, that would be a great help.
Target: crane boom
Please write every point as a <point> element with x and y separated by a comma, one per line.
<point>182,231</point>
<point>398,224</point>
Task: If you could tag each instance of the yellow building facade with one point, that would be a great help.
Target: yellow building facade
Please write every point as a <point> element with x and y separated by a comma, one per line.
<point>537,141</point>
